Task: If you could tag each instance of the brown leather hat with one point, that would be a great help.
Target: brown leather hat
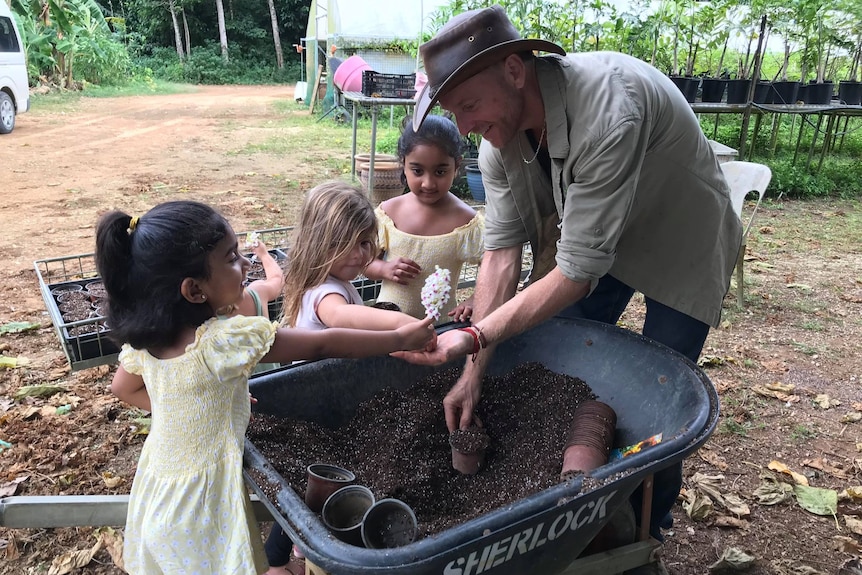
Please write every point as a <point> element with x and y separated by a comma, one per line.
<point>464,46</point>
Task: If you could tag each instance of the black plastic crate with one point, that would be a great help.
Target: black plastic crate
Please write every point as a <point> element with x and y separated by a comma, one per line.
<point>388,85</point>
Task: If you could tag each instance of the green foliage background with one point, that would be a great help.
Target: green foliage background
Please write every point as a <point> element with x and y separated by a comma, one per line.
<point>112,43</point>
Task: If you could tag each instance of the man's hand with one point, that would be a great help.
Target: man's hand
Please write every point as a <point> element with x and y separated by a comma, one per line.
<point>459,403</point>
<point>450,345</point>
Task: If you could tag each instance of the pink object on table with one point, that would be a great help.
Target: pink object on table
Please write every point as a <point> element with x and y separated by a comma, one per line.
<point>421,80</point>
<point>348,76</point>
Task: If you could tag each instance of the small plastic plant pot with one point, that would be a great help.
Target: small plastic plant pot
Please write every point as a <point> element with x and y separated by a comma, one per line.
<point>343,512</point>
<point>324,479</point>
<point>66,288</point>
<point>389,523</point>
<point>468,449</point>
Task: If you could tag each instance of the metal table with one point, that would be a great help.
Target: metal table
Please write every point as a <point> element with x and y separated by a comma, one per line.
<point>832,113</point>
<point>360,99</point>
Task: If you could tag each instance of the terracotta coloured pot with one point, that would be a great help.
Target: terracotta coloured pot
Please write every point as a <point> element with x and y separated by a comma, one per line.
<point>324,480</point>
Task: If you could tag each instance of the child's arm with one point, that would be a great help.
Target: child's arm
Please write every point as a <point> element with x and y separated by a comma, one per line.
<point>131,389</point>
<point>270,288</point>
<point>293,344</point>
<point>399,270</point>
<point>334,311</point>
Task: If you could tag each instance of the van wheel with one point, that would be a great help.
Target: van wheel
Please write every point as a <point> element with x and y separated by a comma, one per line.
<point>7,113</point>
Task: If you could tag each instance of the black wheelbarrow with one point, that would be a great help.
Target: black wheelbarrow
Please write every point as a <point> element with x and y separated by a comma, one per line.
<point>652,389</point>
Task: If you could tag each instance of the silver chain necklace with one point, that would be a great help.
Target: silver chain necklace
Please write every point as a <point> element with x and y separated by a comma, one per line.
<point>538,147</point>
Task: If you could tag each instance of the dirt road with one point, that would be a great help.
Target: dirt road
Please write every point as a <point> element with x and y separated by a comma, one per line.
<point>61,169</point>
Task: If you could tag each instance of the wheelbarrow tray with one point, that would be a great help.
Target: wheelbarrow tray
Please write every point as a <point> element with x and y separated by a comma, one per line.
<point>652,389</point>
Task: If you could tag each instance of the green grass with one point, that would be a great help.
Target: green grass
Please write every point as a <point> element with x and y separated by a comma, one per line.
<point>811,325</point>
<point>805,348</point>
<point>67,100</point>
<point>144,87</point>
<point>299,134</point>
<point>802,433</point>
<point>732,427</point>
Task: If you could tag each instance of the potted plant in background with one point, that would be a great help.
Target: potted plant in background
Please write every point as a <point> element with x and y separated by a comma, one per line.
<point>714,18</point>
<point>738,88</point>
<point>683,29</point>
<point>785,91</point>
<point>850,90</point>
<point>820,90</point>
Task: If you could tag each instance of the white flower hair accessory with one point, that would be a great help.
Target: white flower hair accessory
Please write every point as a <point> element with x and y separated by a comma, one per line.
<point>435,292</point>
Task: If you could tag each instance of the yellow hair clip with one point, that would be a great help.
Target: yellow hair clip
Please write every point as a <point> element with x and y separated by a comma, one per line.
<point>133,224</point>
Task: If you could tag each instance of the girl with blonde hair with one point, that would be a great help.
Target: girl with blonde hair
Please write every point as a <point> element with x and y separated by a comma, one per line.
<point>334,242</point>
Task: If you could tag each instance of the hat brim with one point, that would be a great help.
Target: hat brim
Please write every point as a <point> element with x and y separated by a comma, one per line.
<point>473,66</point>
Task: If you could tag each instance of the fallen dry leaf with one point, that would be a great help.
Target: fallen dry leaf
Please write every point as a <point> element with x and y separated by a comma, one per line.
<point>113,544</point>
<point>11,487</point>
<point>793,567</point>
<point>728,521</point>
<point>712,458</point>
<point>733,559</point>
<point>825,402</point>
<point>851,417</point>
<point>68,562</point>
<point>788,388</point>
<point>846,544</point>
<point>854,494</point>
<point>779,395</point>
<point>798,478</point>
<point>825,466</point>
<point>775,365</point>
<point>11,552</point>
<point>698,506</point>
<point>111,480</point>
<point>854,524</point>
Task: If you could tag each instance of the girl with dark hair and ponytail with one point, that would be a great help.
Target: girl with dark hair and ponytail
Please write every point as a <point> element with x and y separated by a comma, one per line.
<point>174,277</point>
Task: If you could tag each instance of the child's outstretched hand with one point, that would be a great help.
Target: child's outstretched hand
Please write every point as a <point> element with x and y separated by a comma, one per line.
<point>401,270</point>
<point>417,335</point>
<point>259,250</point>
<point>462,312</point>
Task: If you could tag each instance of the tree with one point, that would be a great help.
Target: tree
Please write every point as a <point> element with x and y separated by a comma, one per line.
<point>222,30</point>
<point>279,56</point>
<point>177,38</point>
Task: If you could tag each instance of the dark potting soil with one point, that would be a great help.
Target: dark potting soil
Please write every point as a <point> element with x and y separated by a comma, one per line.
<point>76,310</point>
<point>398,444</point>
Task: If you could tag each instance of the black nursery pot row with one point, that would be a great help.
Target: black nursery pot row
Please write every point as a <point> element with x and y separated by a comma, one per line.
<point>713,90</point>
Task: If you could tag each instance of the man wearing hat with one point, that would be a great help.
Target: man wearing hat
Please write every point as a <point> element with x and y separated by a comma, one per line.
<point>597,160</point>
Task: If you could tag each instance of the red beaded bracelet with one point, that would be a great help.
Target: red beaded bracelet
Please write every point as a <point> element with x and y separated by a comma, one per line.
<point>477,345</point>
<point>479,341</point>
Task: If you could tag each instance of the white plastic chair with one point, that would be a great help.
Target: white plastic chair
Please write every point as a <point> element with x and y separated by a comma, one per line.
<point>745,178</point>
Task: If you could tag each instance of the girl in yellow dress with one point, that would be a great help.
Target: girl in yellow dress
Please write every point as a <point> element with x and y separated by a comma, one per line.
<point>428,227</point>
<point>173,277</point>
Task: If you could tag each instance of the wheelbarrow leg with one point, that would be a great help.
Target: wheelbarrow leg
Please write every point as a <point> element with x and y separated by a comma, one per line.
<point>312,569</point>
<point>646,507</point>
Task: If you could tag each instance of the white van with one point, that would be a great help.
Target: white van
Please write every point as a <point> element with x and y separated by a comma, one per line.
<point>14,90</point>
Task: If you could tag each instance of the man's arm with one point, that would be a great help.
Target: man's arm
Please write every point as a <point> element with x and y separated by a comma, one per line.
<point>539,302</point>
<point>496,283</point>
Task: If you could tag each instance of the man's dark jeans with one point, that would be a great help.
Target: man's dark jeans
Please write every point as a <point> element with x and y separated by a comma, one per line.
<point>674,329</point>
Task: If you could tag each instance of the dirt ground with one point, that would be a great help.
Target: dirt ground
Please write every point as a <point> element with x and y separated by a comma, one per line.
<point>788,367</point>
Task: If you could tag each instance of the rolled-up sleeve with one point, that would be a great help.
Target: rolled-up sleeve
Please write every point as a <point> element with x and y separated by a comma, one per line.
<point>504,227</point>
<point>598,201</point>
